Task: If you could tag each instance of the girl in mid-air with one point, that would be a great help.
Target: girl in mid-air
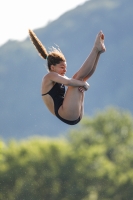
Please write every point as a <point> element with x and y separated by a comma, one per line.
<point>67,106</point>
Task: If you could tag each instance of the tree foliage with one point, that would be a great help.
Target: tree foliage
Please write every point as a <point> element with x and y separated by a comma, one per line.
<point>106,140</point>
<point>94,162</point>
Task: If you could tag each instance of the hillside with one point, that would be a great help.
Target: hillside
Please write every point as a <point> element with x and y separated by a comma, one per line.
<point>23,113</point>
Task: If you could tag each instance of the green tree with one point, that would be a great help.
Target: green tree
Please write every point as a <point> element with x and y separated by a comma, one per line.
<point>29,169</point>
<point>104,146</point>
<point>94,162</point>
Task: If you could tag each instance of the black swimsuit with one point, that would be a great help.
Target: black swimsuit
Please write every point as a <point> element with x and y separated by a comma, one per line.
<point>57,93</point>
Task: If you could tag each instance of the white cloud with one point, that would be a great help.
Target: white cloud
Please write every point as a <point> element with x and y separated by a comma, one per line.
<point>16,17</point>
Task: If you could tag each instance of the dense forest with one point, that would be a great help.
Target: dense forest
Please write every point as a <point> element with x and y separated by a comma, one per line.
<point>94,162</point>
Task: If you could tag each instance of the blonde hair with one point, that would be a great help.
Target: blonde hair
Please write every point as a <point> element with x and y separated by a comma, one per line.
<point>54,56</point>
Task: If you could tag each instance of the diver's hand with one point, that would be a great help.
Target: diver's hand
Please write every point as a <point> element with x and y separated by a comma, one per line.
<point>86,86</point>
<point>81,89</point>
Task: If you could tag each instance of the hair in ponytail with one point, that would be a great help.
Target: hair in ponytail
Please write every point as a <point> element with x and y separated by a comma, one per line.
<point>54,56</point>
<point>38,45</point>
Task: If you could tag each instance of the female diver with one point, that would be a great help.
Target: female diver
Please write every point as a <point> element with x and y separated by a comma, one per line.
<point>67,106</point>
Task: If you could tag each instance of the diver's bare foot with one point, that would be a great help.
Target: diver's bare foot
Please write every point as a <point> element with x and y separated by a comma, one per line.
<point>99,42</point>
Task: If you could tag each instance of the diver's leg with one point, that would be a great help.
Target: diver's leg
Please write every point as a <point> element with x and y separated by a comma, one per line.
<point>90,63</point>
<point>72,106</point>
<point>93,69</point>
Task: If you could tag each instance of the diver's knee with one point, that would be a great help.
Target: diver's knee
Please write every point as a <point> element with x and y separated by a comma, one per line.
<point>78,77</point>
